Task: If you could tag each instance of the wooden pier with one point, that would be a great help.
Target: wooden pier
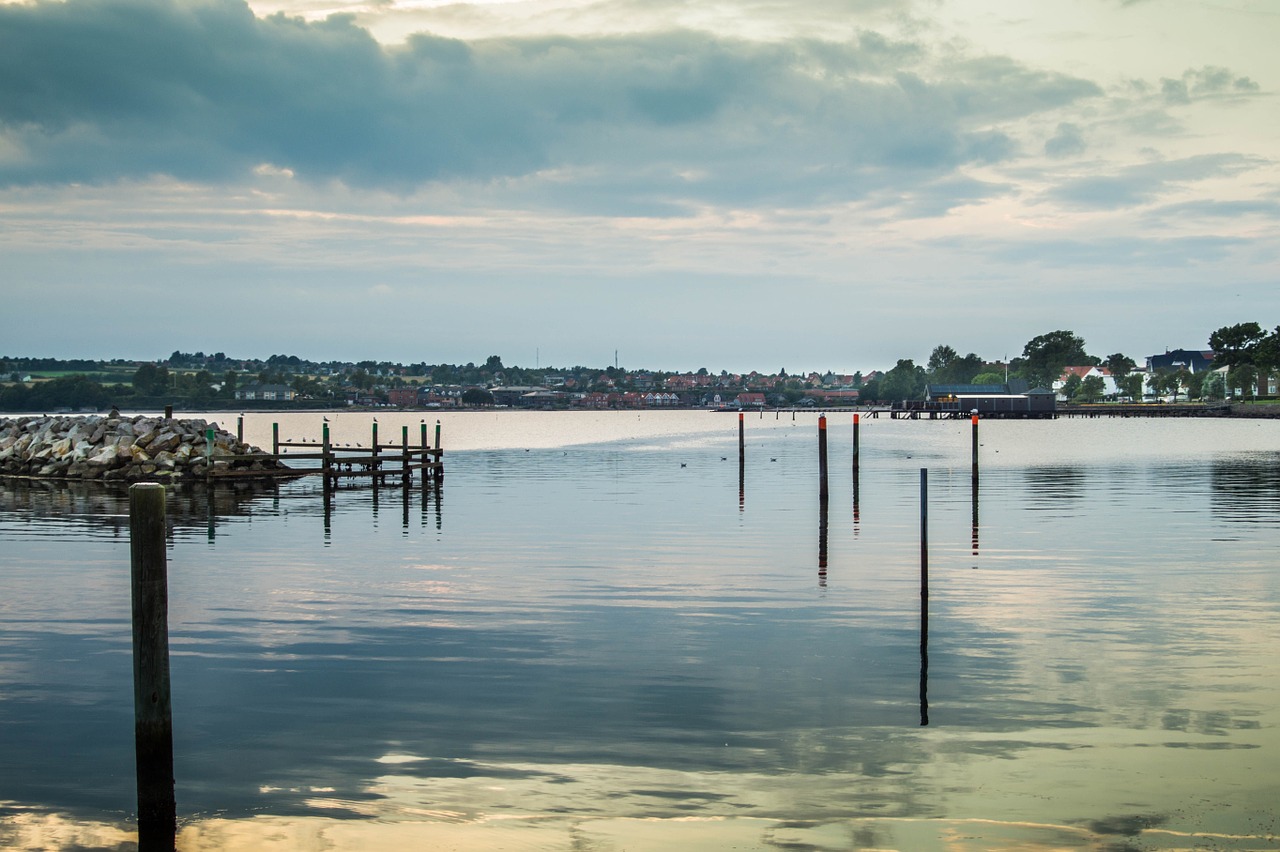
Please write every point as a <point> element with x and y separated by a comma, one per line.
<point>379,462</point>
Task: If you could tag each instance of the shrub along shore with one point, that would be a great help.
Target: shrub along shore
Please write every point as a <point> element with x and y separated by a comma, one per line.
<point>119,448</point>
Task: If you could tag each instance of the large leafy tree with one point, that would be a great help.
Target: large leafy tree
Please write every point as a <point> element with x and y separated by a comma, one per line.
<point>946,367</point>
<point>1045,355</point>
<point>1119,365</point>
<point>904,381</point>
<point>1234,345</point>
<point>1091,389</point>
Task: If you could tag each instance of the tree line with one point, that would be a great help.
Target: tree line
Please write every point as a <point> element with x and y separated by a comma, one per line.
<point>1248,351</point>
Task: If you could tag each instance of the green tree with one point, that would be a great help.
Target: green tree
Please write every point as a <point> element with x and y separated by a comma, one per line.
<point>477,396</point>
<point>1243,377</point>
<point>1071,386</point>
<point>904,381</point>
<point>1213,387</point>
<point>1046,355</point>
<point>151,380</point>
<point>1091,389</point>
<point>1234,345</point>
<point>940,359</point>
<point>1119,365</point>
<point>1132,386</point>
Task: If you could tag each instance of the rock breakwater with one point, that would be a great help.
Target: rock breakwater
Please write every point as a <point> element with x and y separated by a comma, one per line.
<point>121,449</point>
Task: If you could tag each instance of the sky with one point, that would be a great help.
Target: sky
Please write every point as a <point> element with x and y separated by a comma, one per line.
<point>740,185</point>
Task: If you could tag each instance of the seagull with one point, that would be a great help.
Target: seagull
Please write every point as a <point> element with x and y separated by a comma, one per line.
<point>682,464</point>
<point>772,459</point>
<point>326,419</point>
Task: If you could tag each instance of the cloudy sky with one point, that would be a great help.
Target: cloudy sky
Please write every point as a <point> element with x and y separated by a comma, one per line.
<point>735,184</point>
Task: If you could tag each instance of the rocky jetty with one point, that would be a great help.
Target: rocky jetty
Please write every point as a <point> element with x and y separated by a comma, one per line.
<point>121,449</point>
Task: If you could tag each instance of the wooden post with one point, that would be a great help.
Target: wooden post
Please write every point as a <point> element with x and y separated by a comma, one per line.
<point>975,443</point>
<point>924,596</point>
<point>742,442</point>
<point>240,429</point>
<point>855,444</point>
<point>152,707</point>
<point>404,452</point>
<point>924,532</point>
<point>168,412</point>
<point>324,455</point>
<point>425,456</point>
<point>440,470</point>
<point>275,439</point>
<point>822,456</point>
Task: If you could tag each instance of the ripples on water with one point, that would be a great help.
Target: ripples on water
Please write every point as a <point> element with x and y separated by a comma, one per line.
<point>598,634</point>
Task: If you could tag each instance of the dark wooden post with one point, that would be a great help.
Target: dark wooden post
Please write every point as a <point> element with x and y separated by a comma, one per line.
<point>742,441</point>
<point>924,596</point>
<point>426,457</point>
<point>168,412</point>
<point>152,707</point>
<point>240,429</point>
<point>924,531</point>
<point>975,443</point>
<point>855,444</point>
<point>404,452</point>
<point>440,461</point>
<point>275,439</point>
<point>822,456</point>
<point>325,459</point>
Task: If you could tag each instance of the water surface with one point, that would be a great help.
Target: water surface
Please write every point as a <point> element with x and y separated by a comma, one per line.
<point>597,635</point>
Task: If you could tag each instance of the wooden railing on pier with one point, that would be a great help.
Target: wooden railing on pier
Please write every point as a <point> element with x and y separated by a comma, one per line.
<point>379,461</point>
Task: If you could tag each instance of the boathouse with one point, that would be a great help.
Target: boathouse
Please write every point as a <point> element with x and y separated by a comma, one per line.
<point>1012,399</point>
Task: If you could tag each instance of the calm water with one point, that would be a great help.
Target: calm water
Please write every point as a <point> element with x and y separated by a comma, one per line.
<point>595,636</point>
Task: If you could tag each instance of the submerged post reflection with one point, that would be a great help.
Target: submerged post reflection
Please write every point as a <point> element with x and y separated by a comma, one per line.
<point>822,539</point>
<point>973,537</point>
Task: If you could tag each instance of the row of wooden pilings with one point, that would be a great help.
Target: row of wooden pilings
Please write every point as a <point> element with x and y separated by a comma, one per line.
<point>823,501</point>
<point>342,462</point>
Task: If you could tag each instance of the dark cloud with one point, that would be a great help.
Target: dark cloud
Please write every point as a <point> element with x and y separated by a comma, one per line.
<point>1146,182</point>
<point>103,90</point>
<point>1207,82</point>
<point>1067,142</point>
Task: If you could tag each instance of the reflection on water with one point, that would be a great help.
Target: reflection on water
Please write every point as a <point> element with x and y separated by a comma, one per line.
<point>601,648</point>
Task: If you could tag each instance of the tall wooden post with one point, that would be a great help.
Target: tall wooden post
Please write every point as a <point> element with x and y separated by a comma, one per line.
<point>439,470</point>
<point>742,442</point>
<point>924,596</point>
<point>975,443</point>
<point>240,428</point>
<point>924,532</point>
<point>275,439</point>
<point>168,412</point>
<point>325,459</point>
<point>152,707</point>
<point>404,453</point>
<point>855,444</point>
<point>425,456</point>
<point>822,456</point>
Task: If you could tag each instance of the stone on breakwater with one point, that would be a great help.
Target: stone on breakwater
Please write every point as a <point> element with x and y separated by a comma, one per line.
<point>118,448</point>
